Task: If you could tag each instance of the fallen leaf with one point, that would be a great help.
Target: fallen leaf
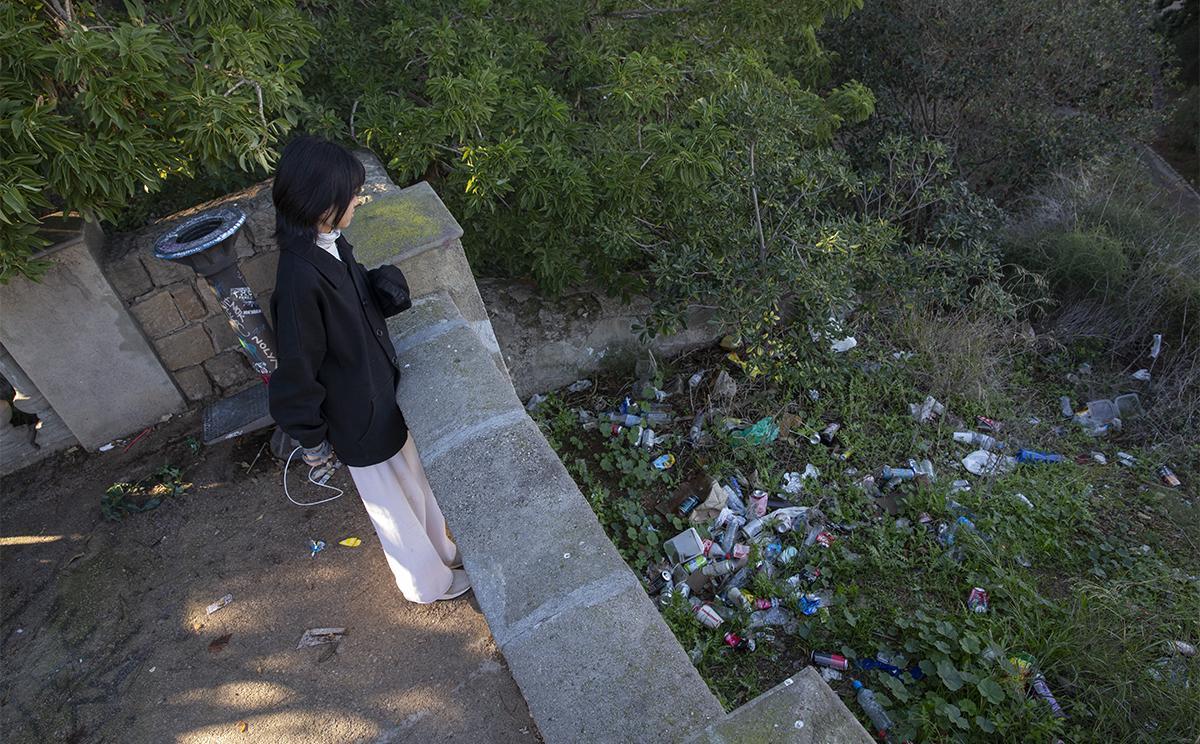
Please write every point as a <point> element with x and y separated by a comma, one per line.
<point>218,644</point>
<point>242,726</point>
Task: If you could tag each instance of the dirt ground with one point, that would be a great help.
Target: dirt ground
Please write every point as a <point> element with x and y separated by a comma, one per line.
<point>104,636</point>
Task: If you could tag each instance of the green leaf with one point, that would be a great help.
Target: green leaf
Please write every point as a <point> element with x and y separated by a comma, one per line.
<point>896,687</point>
<point>949,675</point>
<point>985,725</point>
<point>991,690</point>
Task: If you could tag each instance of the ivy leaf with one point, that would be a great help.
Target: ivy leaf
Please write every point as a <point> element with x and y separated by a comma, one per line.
<point>949,675</point>
<point>991,690</point>
<point>985,725</point>
<point>970,644</point>
<point>896,687</point>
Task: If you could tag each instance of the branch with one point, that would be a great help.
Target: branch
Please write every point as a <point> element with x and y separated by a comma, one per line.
<point>353,109</point>
<point>762,242</point>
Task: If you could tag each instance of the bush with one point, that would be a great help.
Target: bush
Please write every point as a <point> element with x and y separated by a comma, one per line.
<point>100,103</point>
<point>1088,261</point>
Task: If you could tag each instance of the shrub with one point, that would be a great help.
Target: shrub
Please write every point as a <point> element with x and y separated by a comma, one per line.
<point>1088,261</point>
<point>100,102</point>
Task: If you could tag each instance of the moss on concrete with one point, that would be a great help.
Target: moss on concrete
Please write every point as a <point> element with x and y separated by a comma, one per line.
<point>395,224</point>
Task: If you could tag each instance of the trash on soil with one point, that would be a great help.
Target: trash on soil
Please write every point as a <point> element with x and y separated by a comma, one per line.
<point>579,386</point>
<point>1129,406</point>
<point>534,402</point>
<point>879,717</point>
<point>314,547</point>
<point>350,542</point>
<point>320,636</point>
<point>1027,669</point>
<point>1126,459</point>
<point>926,411</point>
<point>982,441</point>
<point>1065,404</point>
<point>705,613</point>
<point>220,604</point>
<point>685,545</point>
<point>217,645</point>
<point>1168,477</point>
<point>1182,647</point>
<point>662,462</point>
<point>1024,455</point>
<point>829,675</point>
<point>845,344</point>
<point>107,447</point>
<point>1142,375</point>
<point>1156,346</point>
<point>960,485</point>
<point>739,643</point>
<point>758,503</point>
<point>982,462</point>
<point>882,665</point>
<point>724,387</point>
<point>1023,499</point>
<point>814,395</point>
<point>987,424</point>
<point>696,379</point>
<point>764,431</point>
<point>775,616</point>
<point>829,660</point>
<point>1099,458</point>
<point>977,600</point>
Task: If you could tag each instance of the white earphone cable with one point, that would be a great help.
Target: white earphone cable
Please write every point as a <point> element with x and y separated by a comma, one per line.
<point>310,480</point>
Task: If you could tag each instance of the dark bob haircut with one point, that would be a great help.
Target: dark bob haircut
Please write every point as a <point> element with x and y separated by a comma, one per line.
<point>314,175</point>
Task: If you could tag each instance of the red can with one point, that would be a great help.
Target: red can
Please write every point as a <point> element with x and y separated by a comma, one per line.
<point>739,643</point>
<point>1168,477</point>
<point>832,661</point>
<point>977,601</point>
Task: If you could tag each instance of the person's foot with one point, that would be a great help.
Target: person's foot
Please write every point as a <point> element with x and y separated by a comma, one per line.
<point>456,561</point>
<point>459,585</point>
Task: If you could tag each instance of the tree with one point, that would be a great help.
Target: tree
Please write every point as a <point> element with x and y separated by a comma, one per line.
<point>1012,87</point>
<point>98,101</point>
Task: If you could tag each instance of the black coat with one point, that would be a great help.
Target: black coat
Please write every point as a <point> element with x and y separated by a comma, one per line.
<point>337,372</point>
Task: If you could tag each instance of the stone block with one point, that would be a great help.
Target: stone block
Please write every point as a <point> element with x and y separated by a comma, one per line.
<point>392,226</point>
<point>242,245</point>
<point>186,348</point>
<point>618,646</point>
<point>194,382</point>
<point>74,337</point>
<point>800,710</point>
<point>260,224</point>
<point>228,369</point>
<point>190,305</point>
<point>157,314</point>
<point>445,365</point>
<point>164,272</point>
<point>259,271</point>
<point>528,533</point>
<point>222,335</point>
<point>128,276</point>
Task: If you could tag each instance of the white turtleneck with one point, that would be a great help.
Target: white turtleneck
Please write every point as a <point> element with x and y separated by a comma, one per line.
<point>328,242</point>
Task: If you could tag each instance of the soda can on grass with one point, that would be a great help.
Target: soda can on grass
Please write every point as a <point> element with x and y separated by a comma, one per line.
<point>977,601</point>
<point>1168,476</point>
<point>830,661</point>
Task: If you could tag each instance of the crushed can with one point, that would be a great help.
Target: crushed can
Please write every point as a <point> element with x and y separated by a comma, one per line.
<point>739,643</point>
<point>705,613</point>
<point>740,551</point>
<point>694,563</point>
<point>977,601</point>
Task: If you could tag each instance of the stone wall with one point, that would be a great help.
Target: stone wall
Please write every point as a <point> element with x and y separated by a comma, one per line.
<point>179,312</point>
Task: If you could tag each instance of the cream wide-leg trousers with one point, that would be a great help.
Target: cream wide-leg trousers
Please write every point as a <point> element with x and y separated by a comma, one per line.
<point>409,523</point>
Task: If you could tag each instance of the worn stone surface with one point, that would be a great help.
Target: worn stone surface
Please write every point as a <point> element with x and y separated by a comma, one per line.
<point>223,337</point>
<point>157,314</point>
<point>128,276</point>
<point>212,306</point>
<point>163,272</point>
<point>228,369</point>
<point>194,382</point>
<point>189,304</point>
<point>260,273</point>
<point>548,343</point>
<point>394,224</point>
<point>74,338</point>
<point>24,445</point>
<point>186,348</point>
<point>800,710</point>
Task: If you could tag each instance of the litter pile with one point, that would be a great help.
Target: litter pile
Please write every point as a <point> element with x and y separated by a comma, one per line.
<point>746,528</point>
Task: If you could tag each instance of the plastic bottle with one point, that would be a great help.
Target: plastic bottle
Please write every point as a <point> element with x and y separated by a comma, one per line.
<point>879,717</point>
<point>773,616</point>
<point>898,473</point>
<point>1025,455</point>
<point>982,441</point>
<point>720,568</point>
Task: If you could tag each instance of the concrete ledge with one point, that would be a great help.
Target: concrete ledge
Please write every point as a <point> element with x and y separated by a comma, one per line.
<point>395,224</point>
<point>588,649</point>
<point>800,710</point>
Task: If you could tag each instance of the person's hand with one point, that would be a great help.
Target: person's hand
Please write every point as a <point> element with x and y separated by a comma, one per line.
<point>317,456</point>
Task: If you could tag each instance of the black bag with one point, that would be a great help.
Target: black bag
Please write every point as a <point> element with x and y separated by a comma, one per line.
<point>391,290</point>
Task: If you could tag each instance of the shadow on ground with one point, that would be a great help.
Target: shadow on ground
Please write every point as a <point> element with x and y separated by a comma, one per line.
<point>104,636</point>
